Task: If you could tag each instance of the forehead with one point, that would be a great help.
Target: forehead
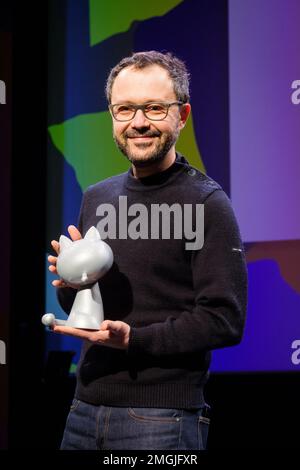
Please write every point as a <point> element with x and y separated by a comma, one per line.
<point>151,83</point>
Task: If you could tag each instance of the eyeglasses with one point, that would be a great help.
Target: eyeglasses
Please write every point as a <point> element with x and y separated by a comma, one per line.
<point>153,111</point>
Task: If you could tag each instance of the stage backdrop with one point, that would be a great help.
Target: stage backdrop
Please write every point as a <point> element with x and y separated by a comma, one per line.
<point>244,59</point>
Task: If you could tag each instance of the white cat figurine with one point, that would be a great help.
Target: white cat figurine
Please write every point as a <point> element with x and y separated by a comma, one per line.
<point>80,264</point>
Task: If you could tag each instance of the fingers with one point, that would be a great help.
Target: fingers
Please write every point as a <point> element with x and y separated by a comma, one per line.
<point>52,259</point>
<point>59,283</point>
<point>90,335</point>
<point>74,233</point>
<point>55,246</point>
<point>105,338</point>
<point>52,269</point>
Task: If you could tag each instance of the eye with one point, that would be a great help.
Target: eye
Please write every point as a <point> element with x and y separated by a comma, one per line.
<point>155,108</point>
<point>123,109</point>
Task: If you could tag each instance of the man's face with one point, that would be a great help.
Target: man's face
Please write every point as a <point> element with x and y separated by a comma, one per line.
<point>144,141</point>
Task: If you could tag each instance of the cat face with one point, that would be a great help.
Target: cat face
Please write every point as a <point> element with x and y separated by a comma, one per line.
<point>83,261</point>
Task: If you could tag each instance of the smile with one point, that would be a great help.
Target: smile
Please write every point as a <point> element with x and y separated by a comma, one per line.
<point>141,139</point>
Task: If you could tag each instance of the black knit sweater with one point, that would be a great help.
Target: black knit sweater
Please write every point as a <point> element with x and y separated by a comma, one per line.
<point>180,303</point>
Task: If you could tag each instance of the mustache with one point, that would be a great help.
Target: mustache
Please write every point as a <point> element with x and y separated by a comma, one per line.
<point>132,134</point>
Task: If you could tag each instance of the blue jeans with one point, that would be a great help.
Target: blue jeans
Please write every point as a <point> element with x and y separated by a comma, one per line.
<point>91,427</point>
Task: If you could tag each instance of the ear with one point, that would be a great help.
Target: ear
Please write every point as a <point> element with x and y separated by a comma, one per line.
<point>64,243</point>
<point>92,234</point>
<point>185,110</point>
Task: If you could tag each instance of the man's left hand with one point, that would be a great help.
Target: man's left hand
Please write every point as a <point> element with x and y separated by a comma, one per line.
<point>114,334</point>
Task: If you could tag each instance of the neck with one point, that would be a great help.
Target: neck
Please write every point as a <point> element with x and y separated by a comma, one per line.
<point>154,167</point>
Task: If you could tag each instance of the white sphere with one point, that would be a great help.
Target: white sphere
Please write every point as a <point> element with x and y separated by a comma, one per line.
<point>48,319</point>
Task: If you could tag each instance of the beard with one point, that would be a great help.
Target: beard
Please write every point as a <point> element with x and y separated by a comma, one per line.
<point>145,154</point>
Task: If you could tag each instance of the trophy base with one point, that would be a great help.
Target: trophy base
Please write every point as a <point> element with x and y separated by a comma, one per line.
<point>86,313</point>
<point>83,321</point>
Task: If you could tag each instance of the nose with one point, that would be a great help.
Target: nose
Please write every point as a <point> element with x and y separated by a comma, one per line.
<point>140,120</point>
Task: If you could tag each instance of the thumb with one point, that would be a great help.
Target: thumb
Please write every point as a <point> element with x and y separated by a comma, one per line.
<point>104,325</point>
<point>113,326</point>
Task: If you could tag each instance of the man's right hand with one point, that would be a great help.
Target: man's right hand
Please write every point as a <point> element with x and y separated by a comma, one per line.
<point>75,235</point>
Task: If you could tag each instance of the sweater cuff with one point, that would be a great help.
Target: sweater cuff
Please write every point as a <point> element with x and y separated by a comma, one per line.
<point>140,340</point>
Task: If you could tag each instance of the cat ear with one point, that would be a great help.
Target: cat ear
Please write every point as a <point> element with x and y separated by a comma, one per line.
<point>92,234</point>
<point>64,243</point>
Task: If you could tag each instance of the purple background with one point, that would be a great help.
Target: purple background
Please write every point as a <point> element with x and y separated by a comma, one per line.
<point>264,52</point>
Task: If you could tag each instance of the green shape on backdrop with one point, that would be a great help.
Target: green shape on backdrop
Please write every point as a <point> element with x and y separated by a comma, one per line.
<point>86,143</point>
<point>187,145</point>
<point>108,18</point>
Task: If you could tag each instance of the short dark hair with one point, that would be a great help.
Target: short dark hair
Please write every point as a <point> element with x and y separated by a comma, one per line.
<point>140,60</point>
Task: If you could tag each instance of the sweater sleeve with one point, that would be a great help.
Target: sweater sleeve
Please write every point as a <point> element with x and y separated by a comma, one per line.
<point>220,285</point>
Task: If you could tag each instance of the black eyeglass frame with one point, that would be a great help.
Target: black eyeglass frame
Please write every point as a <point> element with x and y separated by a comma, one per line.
<point>142,107</point>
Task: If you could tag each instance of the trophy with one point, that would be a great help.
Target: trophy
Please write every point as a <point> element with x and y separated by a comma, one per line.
<point>81,263</point>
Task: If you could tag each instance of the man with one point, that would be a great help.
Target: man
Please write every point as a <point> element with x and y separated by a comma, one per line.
<point>167,301</point>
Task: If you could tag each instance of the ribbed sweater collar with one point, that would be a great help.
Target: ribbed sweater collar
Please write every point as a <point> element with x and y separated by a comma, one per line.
<point>157,180</point>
